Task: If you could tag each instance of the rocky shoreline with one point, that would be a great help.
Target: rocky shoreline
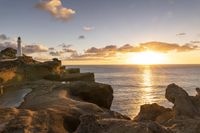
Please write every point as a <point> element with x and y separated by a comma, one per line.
<point>66,101</point>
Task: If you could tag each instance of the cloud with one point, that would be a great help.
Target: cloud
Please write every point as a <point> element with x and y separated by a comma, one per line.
<point>195,42</point>
<point>88,28</point>
<point>149,46</point>
<point>6,42</point>
<point>56,53</point>
<point>51,49</point>
<point>111,51</point>
<point>29,49</point>
<point>62,52</point>
<point>69,50</point>
<point>181,34</point>
<point>65,52</point>
<point>3,37</point>
<point>167,47</point>
<point>109,48</point>
<point>130,48</point>
<point>81,57</point>
<point>81,37</point>
<point>56,9</point>
<point>65,45</point>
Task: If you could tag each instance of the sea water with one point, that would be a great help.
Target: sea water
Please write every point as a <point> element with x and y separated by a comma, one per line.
<point>135,85</point>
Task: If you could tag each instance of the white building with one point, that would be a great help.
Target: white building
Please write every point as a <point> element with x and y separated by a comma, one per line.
<point>19,47</point>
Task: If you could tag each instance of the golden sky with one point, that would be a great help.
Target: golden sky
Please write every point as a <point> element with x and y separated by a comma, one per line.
<point>145,53</point>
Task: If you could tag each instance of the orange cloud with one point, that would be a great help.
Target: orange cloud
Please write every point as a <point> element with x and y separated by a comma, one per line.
<point>167,47</point>
<point>88,28</point>
<point>56,9</point>
<point>111,51</point>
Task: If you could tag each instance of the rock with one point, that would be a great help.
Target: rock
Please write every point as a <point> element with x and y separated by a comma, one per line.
<point>164,117</point>
<point>53,77</point>
<point>23,120</point>
<point>25,68</point>
<point>198,92</point>
<point>96,124</point>
<point>89,77</point>
<point>26,60</point>
<point>156,128</point>
<point>39,71</point>
<point>72,70</point>
<point>183,105</point>
<point>88,124</point>
<point>50,107</point>
<point>151,112</point>
<point>182,118</point>
<point>97,93</point>
<point>7,75</point>
<point>184,125</point>
<point>8,53</point>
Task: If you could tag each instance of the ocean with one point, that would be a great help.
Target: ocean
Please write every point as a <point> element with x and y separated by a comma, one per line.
<point>135,85</point>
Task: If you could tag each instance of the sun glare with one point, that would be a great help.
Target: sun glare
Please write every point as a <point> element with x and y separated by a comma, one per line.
<point>146,58</point>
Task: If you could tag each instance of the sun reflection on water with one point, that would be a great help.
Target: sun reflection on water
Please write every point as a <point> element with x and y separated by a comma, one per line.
<point>147,97</point>
<point>145,94</point>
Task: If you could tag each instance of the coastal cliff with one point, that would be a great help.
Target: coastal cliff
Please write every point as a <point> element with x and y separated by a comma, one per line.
<point>41,97</point>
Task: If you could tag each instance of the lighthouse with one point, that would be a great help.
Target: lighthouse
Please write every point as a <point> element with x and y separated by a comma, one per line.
<point>19,47</point>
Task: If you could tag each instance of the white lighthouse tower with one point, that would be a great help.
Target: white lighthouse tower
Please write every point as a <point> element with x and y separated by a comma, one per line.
<point>19,47</point>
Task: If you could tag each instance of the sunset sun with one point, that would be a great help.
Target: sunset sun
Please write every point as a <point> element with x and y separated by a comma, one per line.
<point>147,58</point>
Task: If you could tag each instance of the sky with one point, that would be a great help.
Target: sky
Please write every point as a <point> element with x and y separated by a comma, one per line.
<point>103,31</point>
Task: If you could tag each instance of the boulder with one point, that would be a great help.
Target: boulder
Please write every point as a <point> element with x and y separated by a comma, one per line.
<point>183,105</point>
<point>198,92</point>
<point>151,112</point>
<point>97,93</point>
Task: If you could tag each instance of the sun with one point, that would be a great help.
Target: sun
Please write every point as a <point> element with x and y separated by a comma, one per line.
<point>146,58</point>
